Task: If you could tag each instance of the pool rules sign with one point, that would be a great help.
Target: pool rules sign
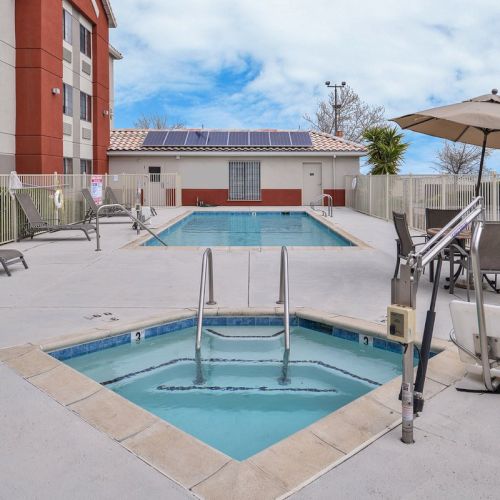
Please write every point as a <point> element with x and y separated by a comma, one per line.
<point>96,188</point>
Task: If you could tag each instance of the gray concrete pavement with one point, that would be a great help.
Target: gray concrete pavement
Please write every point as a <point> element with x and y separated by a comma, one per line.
<point>47,452</point>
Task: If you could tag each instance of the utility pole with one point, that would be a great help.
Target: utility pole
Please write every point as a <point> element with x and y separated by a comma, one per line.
<point>336,106</point>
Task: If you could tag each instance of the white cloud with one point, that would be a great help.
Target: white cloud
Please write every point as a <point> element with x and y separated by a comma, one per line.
<point>406,56</point>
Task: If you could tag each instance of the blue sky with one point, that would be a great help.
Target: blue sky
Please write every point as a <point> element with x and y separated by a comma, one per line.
<point>262,64</point>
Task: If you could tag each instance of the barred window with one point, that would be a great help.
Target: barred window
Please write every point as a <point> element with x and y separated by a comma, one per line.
<point>244,180</point>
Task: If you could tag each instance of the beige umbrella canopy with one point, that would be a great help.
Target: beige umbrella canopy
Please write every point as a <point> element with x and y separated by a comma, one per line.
<point>476,122</point>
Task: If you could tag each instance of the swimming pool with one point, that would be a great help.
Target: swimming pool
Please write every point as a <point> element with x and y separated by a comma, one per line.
<point>241,408</point>
<point>249,229</point>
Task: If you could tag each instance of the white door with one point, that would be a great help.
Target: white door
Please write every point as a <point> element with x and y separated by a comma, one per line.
<point>312,185</point>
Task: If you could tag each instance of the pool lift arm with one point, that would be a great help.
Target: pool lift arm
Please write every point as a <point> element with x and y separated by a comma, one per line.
<point>401,314</point>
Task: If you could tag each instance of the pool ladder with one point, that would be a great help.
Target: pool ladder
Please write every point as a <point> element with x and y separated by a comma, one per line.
<point>320,202</point>
<point>207,266</point>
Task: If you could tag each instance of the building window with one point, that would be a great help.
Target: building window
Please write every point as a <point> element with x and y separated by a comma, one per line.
<point>85,107</point>
<point>154,174</point>
<point>67,99</point>
<point>67,26</point>
<point>85,166</point>
<point>244,180</point>
<point>67,166</point>
<point>85,41</point>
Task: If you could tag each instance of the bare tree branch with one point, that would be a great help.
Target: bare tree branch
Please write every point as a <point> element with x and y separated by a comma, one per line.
<point>354,115</point>
<point>155,121</point>
<point>459,158</point>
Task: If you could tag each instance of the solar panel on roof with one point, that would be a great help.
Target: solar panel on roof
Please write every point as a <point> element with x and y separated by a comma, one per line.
<point>280,139</point>
<point>217,138</point>
<point>300,139</point>
<point>238,139</point>
<point>176,138</point>
<point>259,138</point>
<point>155,138</point>
<point>197,138</point>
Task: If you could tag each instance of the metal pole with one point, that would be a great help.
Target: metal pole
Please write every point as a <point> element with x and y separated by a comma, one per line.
<point>205,262</point>
<point>481,319</point>
<point>281,296</point>
<point>335,111</point>
<point>407,395</point>
<point>286,307</point>
<point>128,214</point>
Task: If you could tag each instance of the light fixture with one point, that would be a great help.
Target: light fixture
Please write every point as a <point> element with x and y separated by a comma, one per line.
<point>56,90</point>
<point>105,112</point>
<point>177,157</point>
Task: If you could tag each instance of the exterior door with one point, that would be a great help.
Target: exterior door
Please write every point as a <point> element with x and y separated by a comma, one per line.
<point>155,195</point>
<point>312,188</point>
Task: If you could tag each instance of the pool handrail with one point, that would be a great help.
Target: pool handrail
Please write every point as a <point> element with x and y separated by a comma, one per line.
<point>284,299</point>
<point>207,260</point>
<point>330,205</point>
<point>128,214</point>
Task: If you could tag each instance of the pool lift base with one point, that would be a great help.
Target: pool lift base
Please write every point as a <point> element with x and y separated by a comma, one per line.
<point>403,295</point>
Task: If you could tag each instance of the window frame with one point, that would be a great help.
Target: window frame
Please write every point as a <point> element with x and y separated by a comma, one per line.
<point>67,99</point>
<point>86,161</point>
<point>85,107</point>
<point>245,180</point>
<point>85,41</point>
<point>67,162</point>
<point>67,27</point>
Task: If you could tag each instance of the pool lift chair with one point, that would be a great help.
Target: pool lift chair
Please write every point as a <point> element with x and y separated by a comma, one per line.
<point>477,336</point>
<point>401,317</point>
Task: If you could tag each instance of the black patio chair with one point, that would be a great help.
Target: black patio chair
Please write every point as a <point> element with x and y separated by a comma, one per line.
<point>404,242</point>
<point>489,254</point>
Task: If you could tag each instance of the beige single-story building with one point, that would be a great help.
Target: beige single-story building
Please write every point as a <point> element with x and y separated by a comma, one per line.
<point>245,167</point>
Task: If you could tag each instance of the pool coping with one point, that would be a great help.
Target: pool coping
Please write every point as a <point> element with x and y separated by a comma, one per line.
<point>275,472</point>
<point>329,224</point>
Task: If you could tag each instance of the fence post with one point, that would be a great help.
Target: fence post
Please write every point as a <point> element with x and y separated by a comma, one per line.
<point>387,196</point>
<point>410,200</point>
<point>494,196</point>
<point>443,192</point>
<point>370,194</point>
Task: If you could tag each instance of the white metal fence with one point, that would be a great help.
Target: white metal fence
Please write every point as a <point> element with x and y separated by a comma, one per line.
<point>157,190</point>
<point>380,195</point>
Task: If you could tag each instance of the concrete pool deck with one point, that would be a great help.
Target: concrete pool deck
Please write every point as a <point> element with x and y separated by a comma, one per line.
<point>69,287</point>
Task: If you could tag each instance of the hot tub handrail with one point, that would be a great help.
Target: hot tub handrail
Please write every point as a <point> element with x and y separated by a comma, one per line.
<point>207,261</point>
<point>126,212</point>
<point>283,295</point>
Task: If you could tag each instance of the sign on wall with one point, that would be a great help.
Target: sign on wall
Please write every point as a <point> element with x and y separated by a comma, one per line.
<point>96,188</point>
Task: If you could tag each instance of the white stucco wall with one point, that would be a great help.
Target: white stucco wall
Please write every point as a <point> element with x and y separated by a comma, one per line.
<point>199,172</point>
<point>7,86</point>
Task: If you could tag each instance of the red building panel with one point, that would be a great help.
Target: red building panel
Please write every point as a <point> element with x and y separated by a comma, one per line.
<point>270,197</point>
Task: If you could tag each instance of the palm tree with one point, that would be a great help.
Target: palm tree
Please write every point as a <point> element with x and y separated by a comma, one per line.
<point>385,149</point>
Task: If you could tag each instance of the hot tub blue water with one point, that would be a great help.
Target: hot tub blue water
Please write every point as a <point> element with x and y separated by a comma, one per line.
<point>241,408</point>
<point>249,229</point>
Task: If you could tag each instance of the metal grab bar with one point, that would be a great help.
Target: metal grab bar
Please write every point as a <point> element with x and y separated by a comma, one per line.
<point>284,299</point>
<point>126,212</point>
<point>330,205</point>
<point>207,258</point>
<point>207,261</point>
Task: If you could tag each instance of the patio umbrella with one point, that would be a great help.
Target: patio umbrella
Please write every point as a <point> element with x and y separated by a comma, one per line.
<point>476,121</point>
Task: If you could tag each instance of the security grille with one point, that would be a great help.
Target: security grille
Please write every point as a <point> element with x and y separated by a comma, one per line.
<point>244,180</point>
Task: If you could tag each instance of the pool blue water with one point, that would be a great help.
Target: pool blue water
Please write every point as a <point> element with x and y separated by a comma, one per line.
<point>249,229</point>
<point>241,407</point>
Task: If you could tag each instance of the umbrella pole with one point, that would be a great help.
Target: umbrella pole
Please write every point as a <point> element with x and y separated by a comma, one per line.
<point>480,173</point>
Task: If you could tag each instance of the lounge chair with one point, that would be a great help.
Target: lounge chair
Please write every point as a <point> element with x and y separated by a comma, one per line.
<point>8,256</point>
<point>93,207</point>
<point>36,223</point>
<point>113,199</point>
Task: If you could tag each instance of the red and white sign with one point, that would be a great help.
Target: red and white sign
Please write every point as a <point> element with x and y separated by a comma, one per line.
<point>96,188</point>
